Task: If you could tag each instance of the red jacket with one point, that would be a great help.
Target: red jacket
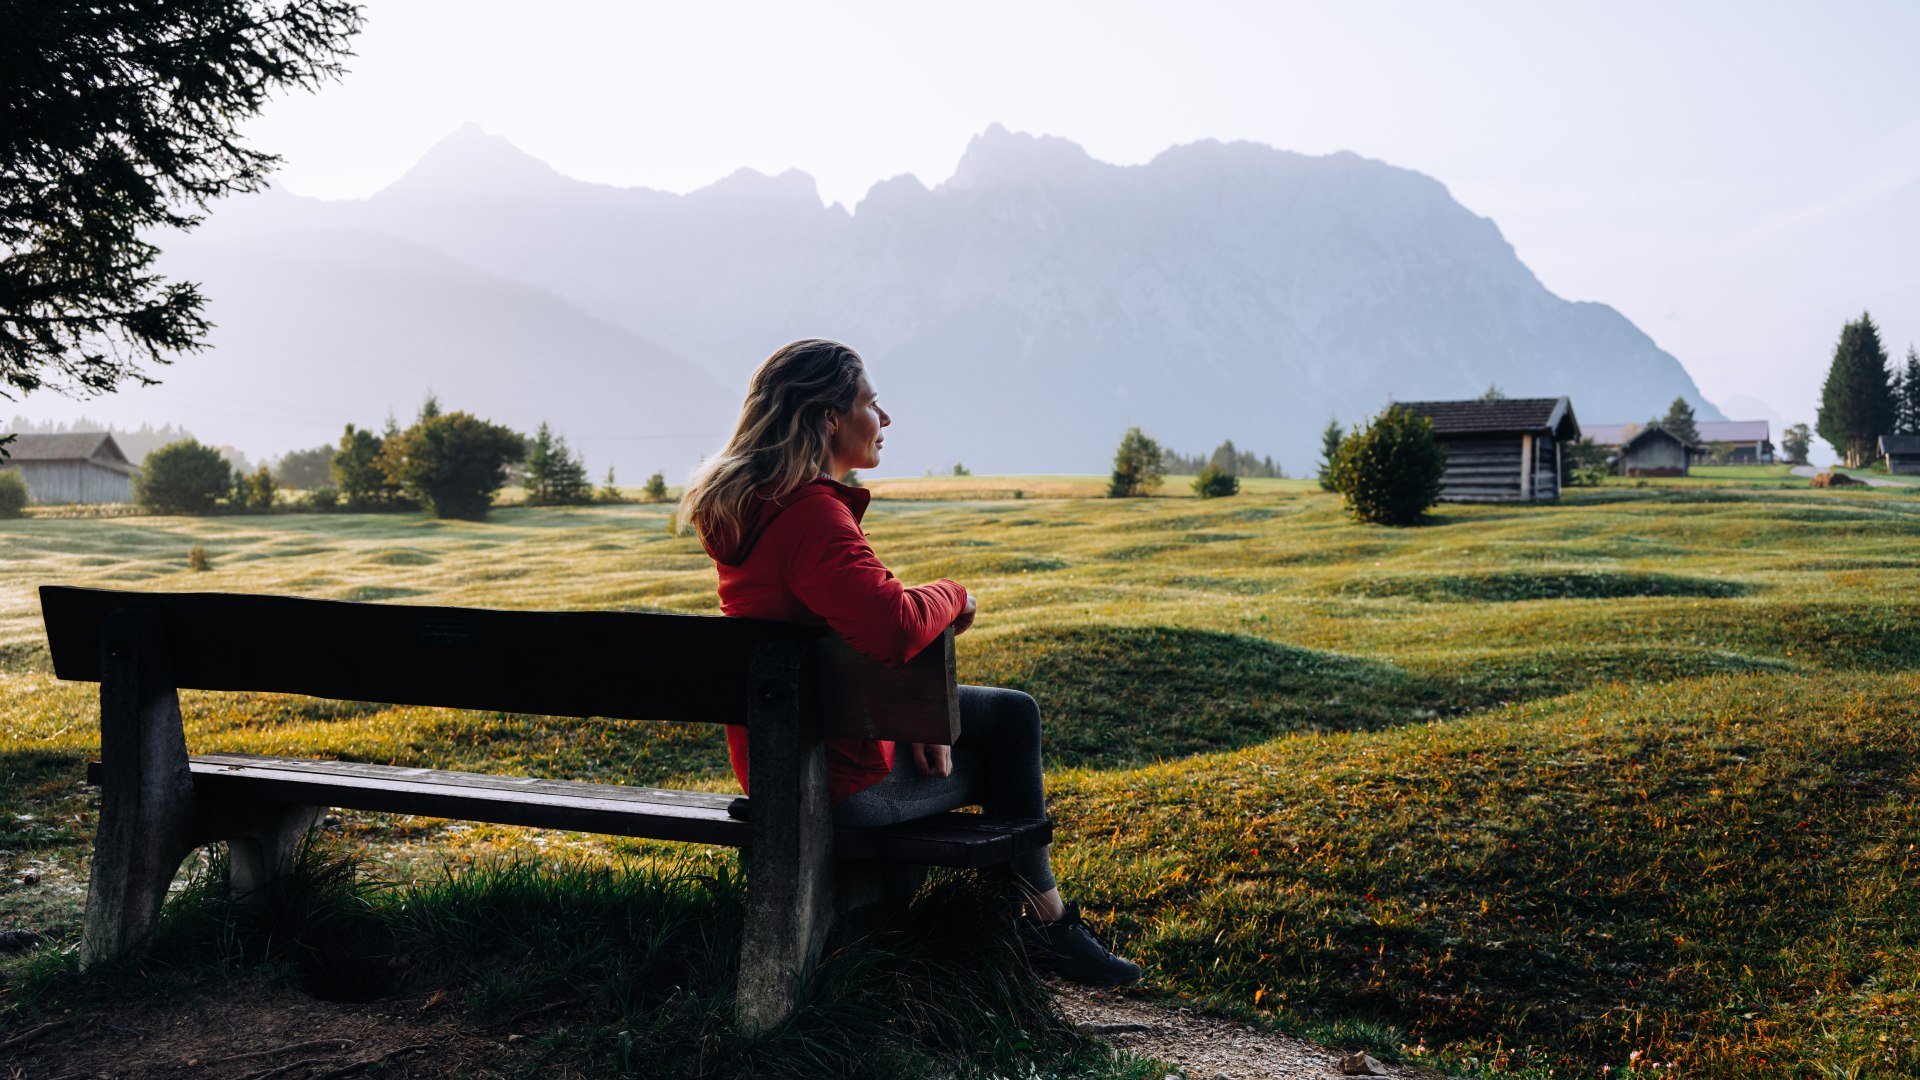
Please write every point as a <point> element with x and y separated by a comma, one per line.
<point>803,558</point>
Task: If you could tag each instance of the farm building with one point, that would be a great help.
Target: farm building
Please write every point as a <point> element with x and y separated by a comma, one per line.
<point>1654,451</point>
<point>1501,451</point>
<point>1748,442</point>
<point>72,467</point>
<point>1902,453</point>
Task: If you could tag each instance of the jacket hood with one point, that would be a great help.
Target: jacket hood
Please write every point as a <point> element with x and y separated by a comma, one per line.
<point>762,511</point>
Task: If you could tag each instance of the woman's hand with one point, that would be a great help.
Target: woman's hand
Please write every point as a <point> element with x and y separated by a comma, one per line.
<point>933,759</point>
<point>965,620</point>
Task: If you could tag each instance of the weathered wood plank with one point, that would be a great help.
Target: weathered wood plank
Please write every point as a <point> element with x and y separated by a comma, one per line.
<point>952,840</point>
<point>624,665</point>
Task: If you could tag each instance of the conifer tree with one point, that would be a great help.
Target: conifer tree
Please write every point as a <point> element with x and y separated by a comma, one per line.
<point>1680,421</point>
<point>122,123</point>
<point>1907,420</point>
<point>1139,465</point>
<point>1329,453</point>
<point>551,473</point>
<point>1856,404</point>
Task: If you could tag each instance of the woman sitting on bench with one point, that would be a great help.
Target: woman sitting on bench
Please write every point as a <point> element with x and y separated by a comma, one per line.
<point>786,536</point>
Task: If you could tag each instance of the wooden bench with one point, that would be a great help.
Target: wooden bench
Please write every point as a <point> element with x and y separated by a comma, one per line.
<point>789,685</point>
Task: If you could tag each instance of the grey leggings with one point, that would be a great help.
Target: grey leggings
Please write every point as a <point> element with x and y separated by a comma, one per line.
<point>996,765</point>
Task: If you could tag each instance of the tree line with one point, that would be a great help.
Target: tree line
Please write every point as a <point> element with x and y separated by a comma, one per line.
<point>450,464</point>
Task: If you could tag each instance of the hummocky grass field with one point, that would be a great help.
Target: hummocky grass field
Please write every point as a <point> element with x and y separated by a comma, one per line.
<point>1620,783</point>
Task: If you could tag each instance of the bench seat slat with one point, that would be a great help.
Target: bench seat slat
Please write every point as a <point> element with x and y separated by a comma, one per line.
<point>955,839</point>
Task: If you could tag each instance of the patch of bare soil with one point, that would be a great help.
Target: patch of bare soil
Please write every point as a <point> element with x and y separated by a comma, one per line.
<point>258,1030</point>
<point>1208,1048</point>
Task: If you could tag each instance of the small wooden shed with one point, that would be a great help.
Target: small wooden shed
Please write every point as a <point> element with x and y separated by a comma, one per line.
<point>72,467</point>
<point>1653,451</point>
<point>1902,453</point>
<point>1501,451</point>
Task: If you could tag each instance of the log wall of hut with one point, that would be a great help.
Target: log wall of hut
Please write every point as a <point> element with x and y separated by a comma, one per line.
<point>74,482</point>
<point>1487,469</point>
<point>1654,456</point>
<point>1904,464</point>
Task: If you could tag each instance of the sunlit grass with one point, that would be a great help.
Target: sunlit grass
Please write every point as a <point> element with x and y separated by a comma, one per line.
<point>1536,786</point>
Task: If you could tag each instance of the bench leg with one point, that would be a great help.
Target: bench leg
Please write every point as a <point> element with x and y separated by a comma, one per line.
<point>789,855</point>
<point>262,839</point>
<point>146,822</point>
<point>864,891</point>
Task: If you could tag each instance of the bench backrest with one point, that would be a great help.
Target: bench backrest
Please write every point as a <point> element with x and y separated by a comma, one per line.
<point>625,665</point>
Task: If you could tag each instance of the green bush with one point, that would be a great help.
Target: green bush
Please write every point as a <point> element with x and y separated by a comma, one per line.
<point>656,489</point>
<point>451,462</point>
<point>13,494</point>
<point>1586,463</point>
<point>182,478</point>
<point>1390,470</point>
<point>323,498</point>
<point>197,558</point>
<point>1215,482</point>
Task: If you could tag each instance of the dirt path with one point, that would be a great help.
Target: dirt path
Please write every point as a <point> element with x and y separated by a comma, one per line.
<point>1204,1047</point>
<point>1870,481</point>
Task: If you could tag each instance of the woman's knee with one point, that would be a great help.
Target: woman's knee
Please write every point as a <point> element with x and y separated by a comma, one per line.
<point>1008,715</point>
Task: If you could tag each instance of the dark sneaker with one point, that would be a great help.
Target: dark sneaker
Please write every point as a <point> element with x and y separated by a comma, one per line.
<point>1068,948</point>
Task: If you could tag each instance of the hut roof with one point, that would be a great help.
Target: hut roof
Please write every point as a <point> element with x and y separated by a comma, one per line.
<point>1732,431</point>
<point>1651,431</point>
<point>1900,444</point>
<point>1507,416</point>
<point>97,447</point>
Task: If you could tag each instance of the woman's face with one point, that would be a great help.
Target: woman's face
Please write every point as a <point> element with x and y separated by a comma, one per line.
<point>854,439</point>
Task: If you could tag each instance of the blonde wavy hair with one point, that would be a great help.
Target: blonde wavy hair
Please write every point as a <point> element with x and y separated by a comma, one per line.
<point>780,443</point>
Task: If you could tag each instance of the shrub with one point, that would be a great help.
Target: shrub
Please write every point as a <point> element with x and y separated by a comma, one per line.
<point>13,494</point>
<point>656,489</point>
<point>1215,482</point>
<point>1139,465</point>
<point>1390,470</point>
<point>255,492</point>
<point>1587,463</point>
<point>182,478</point>
<point>357,472</point>
<point>197,558</point>
<point>609,491</point>
<point>451,462</point>
<point>323,498</point>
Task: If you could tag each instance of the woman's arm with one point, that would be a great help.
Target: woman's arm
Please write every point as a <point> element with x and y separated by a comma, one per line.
<point>832,570</point>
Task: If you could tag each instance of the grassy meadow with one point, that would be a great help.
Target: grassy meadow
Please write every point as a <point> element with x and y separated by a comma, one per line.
<point>1623,783</point>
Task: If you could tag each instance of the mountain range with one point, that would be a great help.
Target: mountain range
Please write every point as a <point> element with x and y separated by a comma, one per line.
<point>1016,317</point>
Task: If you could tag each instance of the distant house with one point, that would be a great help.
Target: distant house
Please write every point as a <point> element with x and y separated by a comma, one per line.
<point>72,467</point>
<point>1749,442</point>
<point>1653,451</point>
<point>1501,451</point>
<point>1902,453</point>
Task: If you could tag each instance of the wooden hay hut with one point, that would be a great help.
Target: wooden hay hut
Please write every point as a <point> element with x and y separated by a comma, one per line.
<point>1501,451</point>
<point>1654,451</point>
<point>1902,453</point>
<point>72,467</point>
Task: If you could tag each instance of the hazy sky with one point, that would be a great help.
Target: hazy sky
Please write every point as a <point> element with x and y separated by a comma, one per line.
<point>1738,178</point>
